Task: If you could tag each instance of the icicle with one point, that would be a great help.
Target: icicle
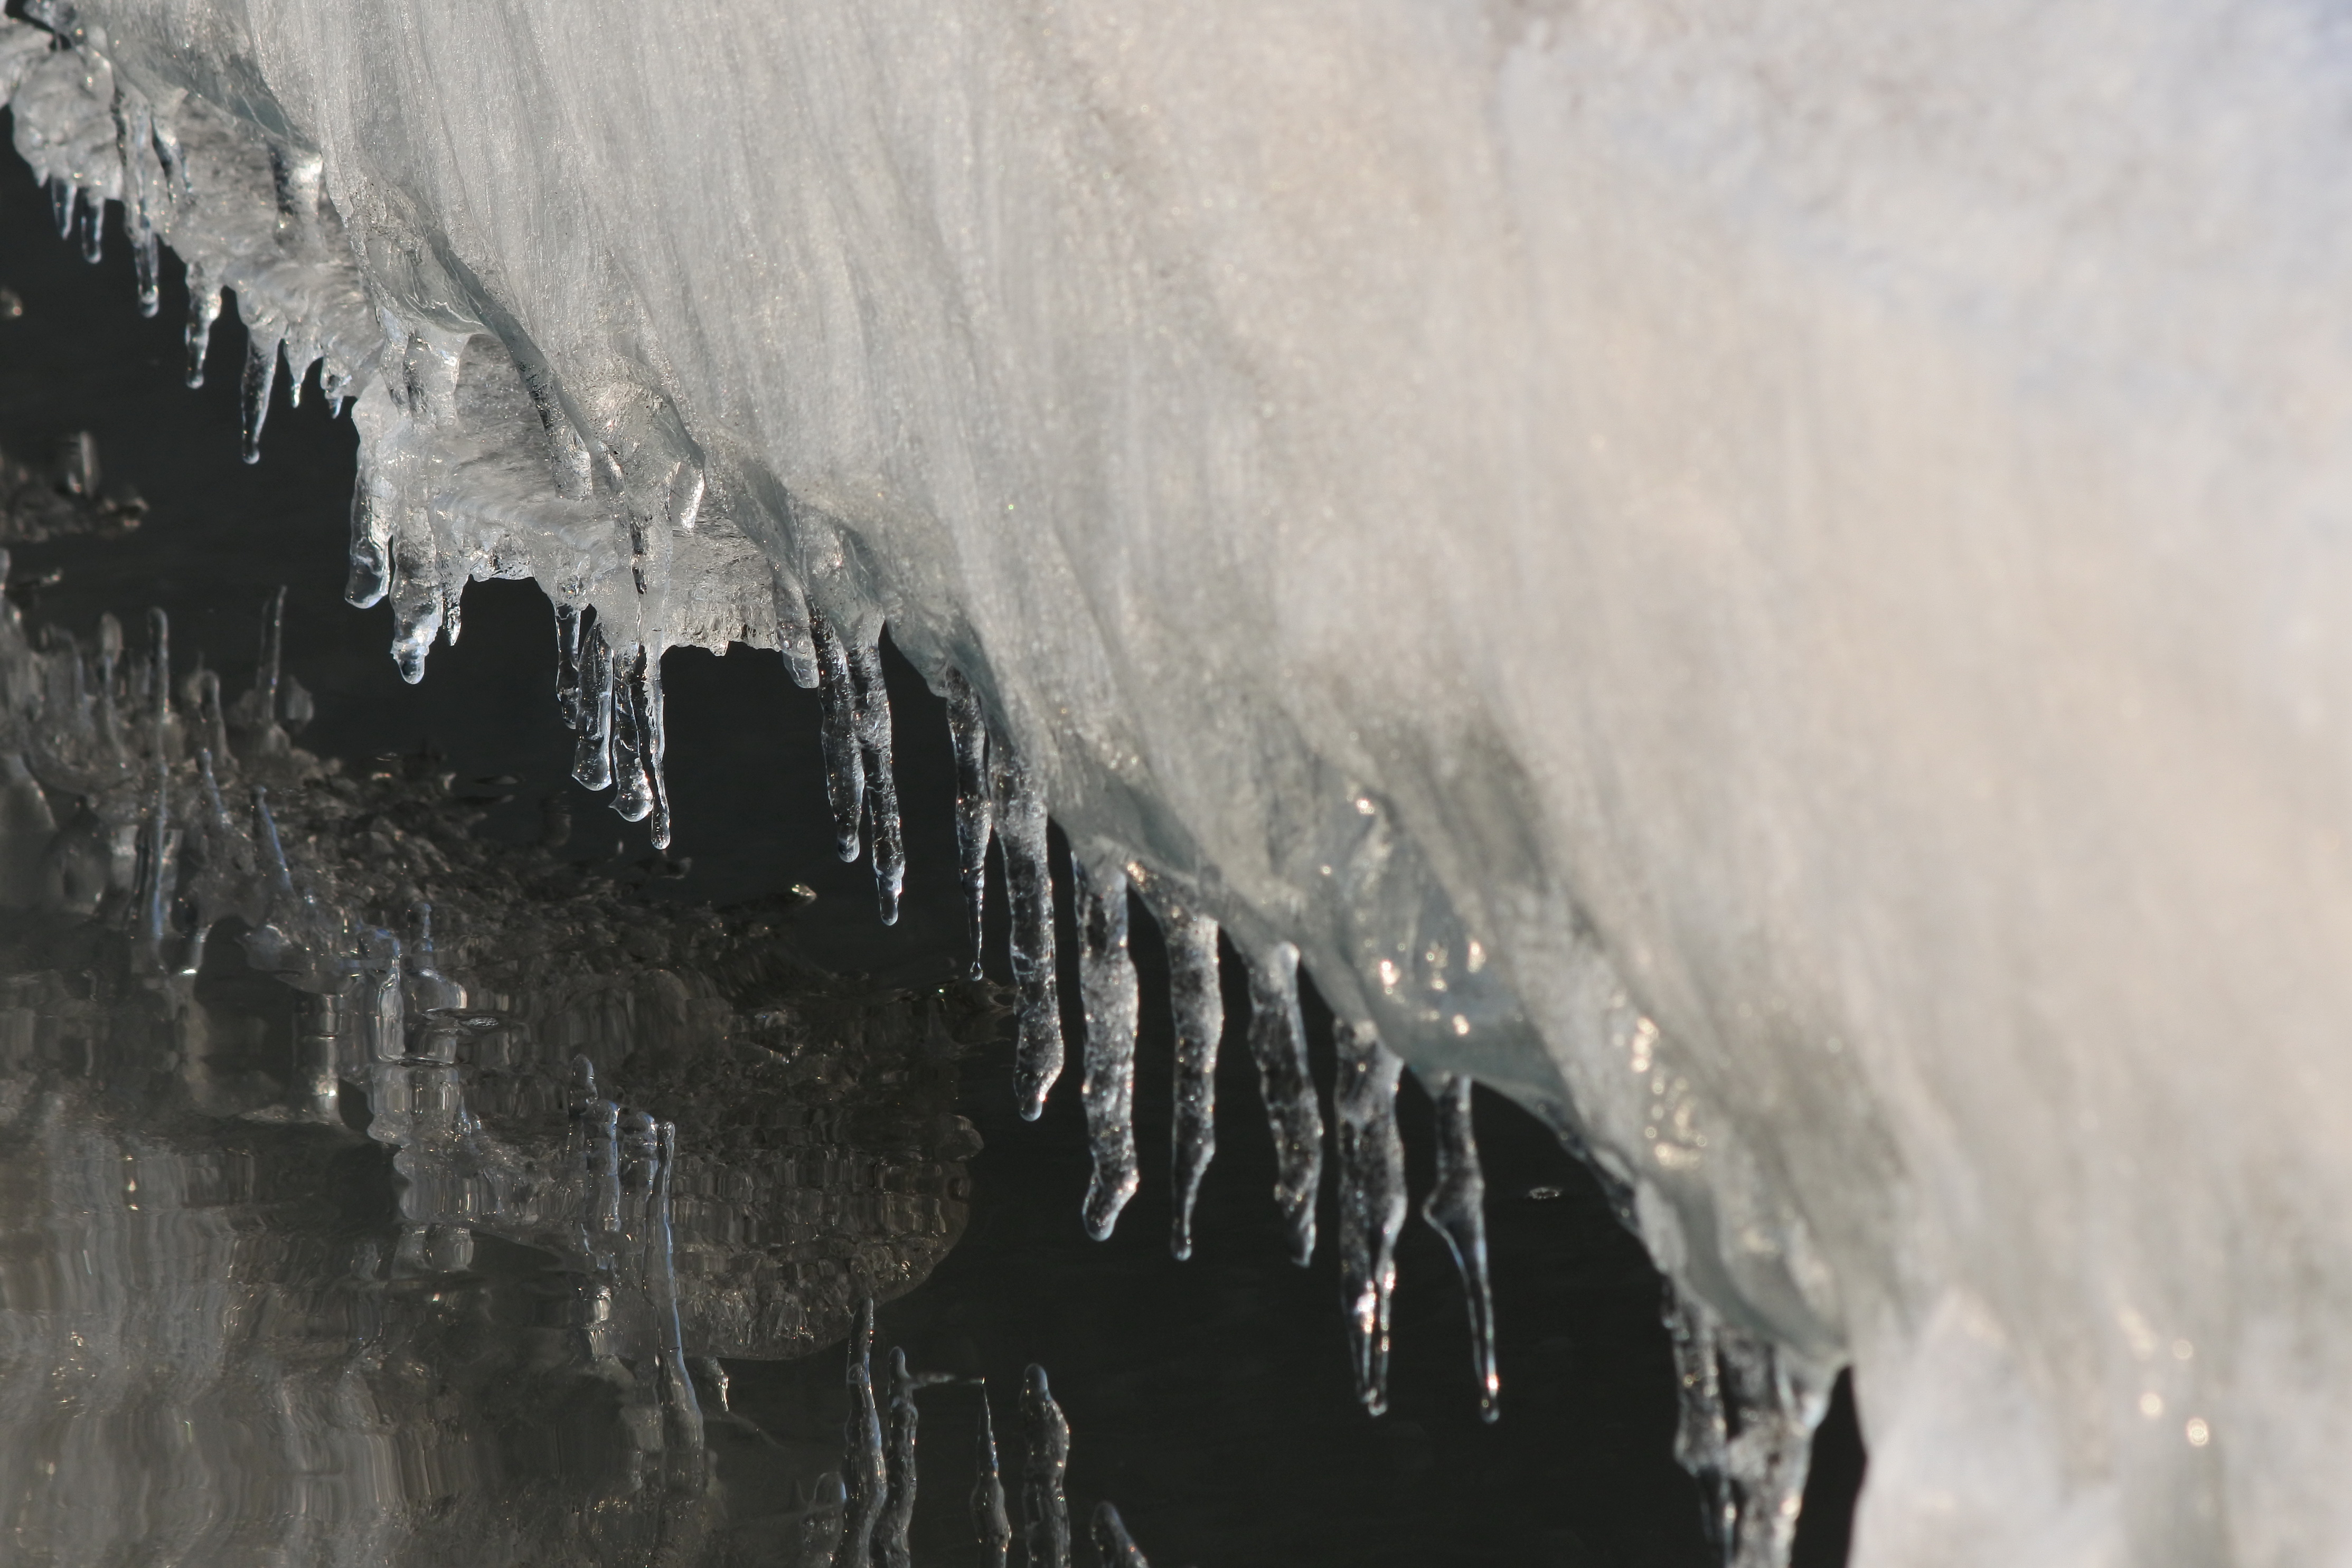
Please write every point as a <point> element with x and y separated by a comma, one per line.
<point>682,1442</point>
<point>429,991</point>
<point>899,1517</point>
<point>1045,1508</point>
<point>872,711</point>
<point>1029,889</point>
<point>1371,1200</point>
<point>273,648</point>
<point>134,130</point>
<point>161,873</point>
<point>159,677</point>
<point>204,309</point>
<point>1107,987</point>
<point>211,712</point>
<point>1113,1545</point>
<point>646,707</point>
<point>1456,1210</point>
<point>869,1480</point>
<point>633,785</point>
<point>1703,1434</point>
<point>110,659</point>
<point>1277,1038</point>
<point>605,1176</point>
<point>93,227</point>
<point>989,1519</point>
<point>844,769</point>
<point>567,664</point>
<point>281,875</point>
<point>823,1519</point>
<point>592,758</point>
<point>1198,1001</point>
<point>62,195</point>
<point>260,376</point>
<point>369,577</point>
<point>968,732</point>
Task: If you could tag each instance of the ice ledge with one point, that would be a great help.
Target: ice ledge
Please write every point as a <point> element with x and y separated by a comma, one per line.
<point>1811,533</point>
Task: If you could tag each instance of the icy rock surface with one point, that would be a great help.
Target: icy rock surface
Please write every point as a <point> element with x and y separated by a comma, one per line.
<point>1762,581</point>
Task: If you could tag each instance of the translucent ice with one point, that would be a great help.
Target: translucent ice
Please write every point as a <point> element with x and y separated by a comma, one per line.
<point>1044,1465</point>
<point>1371,1200</point>
<point>1278,1043</point>
<point>1198,1001</point>
<point>989,1520</point>
<point>1456,1210</point>
<point>1029,889</point>
<point>1865,652</point>
<point>1106,984</point>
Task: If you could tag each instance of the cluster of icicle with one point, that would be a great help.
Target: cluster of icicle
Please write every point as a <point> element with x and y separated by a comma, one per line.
<point>866,1510</point>
<point>155,846</point>
<point>474,463</point>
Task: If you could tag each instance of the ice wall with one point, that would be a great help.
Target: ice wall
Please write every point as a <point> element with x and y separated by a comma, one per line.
<point>1767,580</point>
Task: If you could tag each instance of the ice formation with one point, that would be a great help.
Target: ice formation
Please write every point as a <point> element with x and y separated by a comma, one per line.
<point>1844,497</point>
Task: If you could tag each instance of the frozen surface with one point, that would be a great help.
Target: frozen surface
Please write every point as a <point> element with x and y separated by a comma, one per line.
<point>1767,581</point>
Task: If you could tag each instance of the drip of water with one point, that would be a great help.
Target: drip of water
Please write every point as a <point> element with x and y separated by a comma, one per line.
<point>1107,987</point>
<point>1277,1038</point>
<point>1456,1210</point>
<point>1197,1003</point>
<point>974,809</point>
<point>1029,890</point>
<point>1371,1200</point>
<point>1044,1506</point>
<point>989,1520</point>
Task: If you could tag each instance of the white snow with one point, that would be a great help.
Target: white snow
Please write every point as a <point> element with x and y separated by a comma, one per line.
<point>1771,580</point>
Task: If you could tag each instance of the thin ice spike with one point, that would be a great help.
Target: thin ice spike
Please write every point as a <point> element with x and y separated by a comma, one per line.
<point>1456,1210</point>
<point>592,757</point>
<point>974,811</point>
<point>204,309</point>
<point>273,649</point>
<point>653,741</point>
<point>844,767</point>
<point>1198,1001</point>
<point>1113,1546</point>
<point>1277,1038</point>
<point>260,377</point>
<point>567,664</point>
<point>873,714</point>
<point>868,1479</point>
<point>1045,1466</point>
<point>1371,1200</point>
<point>1106,987</point>
<point>93,227</point>
<point>62,196</point>
<point>990,1520</point>
<point>1029,891</point>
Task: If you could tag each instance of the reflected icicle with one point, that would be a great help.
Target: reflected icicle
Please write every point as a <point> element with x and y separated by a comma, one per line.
<point>204,309</point>
<point>1277,1038</point>
<point>899,1517</point>
<point>1456,1210</point>
<point>870,1482</point>
<point>1113,1545</point>
<point>845,769</point>
<point>1198,1001</point>
<point>1044,1507</point>
<point>823,1519</point>
<point>974,811</point>
<point>1029,890</point>
<point>873,715</point>
<point>260,377</point>
<point>989,1520</point>
<point>1371,1200</point>
<point>682,1441</point>
<point>1106,987</point>
<point>592,758</point>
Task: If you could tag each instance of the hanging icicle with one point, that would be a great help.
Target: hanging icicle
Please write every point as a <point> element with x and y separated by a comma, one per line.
<point>1456,1210</point>
<point>1106,989</point>
<point>844,767</point>
<point>1029,890</point>
<point>974,809</point>
<point>1198,1001</point>
<point>1277,1038</point>
<point>1044,1506</point>
<point>1371,1200</point>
